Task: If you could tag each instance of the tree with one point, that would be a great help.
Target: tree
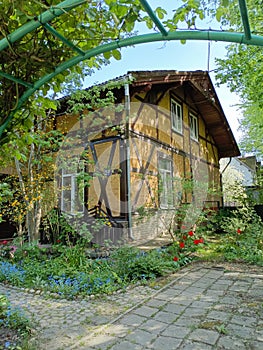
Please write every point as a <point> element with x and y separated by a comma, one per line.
<point>39,52</point>
<point>242,71</point>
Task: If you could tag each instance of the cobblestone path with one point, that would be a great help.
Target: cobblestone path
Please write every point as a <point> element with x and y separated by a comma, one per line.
<point>201,307</point>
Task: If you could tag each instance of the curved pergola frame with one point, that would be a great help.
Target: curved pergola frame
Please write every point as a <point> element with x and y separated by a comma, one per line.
<point>45,18</point>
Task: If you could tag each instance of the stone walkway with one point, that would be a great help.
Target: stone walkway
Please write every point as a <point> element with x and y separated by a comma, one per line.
<point>200,307</point>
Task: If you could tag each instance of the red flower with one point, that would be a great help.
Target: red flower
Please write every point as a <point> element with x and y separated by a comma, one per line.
<point>239,231</point>
<point>198,241</point>
<point>181,244</point>
<point>175,258</point>
<point>4,242</point>
<point>184,238</point>
<point>58,240</point>
<point>190,233</point>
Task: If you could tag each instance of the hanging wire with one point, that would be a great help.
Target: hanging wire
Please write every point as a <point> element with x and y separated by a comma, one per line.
<point>208,55</point>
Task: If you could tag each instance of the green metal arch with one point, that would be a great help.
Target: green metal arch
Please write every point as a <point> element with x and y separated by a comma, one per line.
<point>67,5</point>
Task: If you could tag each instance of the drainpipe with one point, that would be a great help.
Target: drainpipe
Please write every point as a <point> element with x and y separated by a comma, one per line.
<point>128,165</point>
<point>221,182</point>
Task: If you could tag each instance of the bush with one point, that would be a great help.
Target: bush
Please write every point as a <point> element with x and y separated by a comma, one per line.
<point>241,236</point>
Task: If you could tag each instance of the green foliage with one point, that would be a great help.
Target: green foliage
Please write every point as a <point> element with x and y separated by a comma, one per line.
<point>140,265</point>
<point>242,71</point>
<point>40,52</point>
<point>68,270</point>
<point>241,238</point>
<point>12,318</point>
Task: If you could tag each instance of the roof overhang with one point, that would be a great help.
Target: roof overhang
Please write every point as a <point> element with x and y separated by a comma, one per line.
<point>204,97</point>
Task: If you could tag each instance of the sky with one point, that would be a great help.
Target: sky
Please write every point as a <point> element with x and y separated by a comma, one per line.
<point>194,55</point>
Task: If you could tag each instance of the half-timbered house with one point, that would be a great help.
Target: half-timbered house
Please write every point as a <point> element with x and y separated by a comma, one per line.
<point>157,149</point>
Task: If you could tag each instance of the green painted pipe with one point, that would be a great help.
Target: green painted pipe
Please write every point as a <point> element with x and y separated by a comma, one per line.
<point>153,17</point>
<point>244,16</point>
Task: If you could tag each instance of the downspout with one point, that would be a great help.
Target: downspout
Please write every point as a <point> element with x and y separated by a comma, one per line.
<point>221,182</point>
<point>230,158</point>
<point>128,166</point>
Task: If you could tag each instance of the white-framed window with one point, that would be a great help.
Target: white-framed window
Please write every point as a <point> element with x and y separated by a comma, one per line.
<point>193,121</point>
<point>72,196</point>
<point>166,182</point>
<point>176,116</point>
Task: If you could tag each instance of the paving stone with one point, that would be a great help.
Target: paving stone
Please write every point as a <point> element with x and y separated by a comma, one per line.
<point>153,326</point>
<point>176,331</point>
<point>229,342</point>
<point>146,311</point>
<point>125,345</point>
<point>156,303</point>
<point>242,332</point>
<point>193,312</point>
<point>202,304</point>
<point>219,315</point>
<point>141,337</point>
<point>259,335</point>
<point>103,341</point>
<point>165,343</point>
<point>255,345</point>
<point>204,335</point>
<point>166,317</point>
<point>187,321</point>
<point>132,320</point>
<point>118,330</point>
<point>191,345</point>
<point>242,320</point>
<point>183,299</point>
<point>174,308</point>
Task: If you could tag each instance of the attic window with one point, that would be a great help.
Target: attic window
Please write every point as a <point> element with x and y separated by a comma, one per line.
<point>193,120</point>
<point>176,116</point>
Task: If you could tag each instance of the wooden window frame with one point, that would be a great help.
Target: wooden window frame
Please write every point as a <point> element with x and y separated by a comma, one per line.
<point>167,182</point>
<point>176,120</point>
<point>74,194</point>
<point>193,126</point>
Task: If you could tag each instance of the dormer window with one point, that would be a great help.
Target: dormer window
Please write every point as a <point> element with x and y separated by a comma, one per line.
<point>176,116</point>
